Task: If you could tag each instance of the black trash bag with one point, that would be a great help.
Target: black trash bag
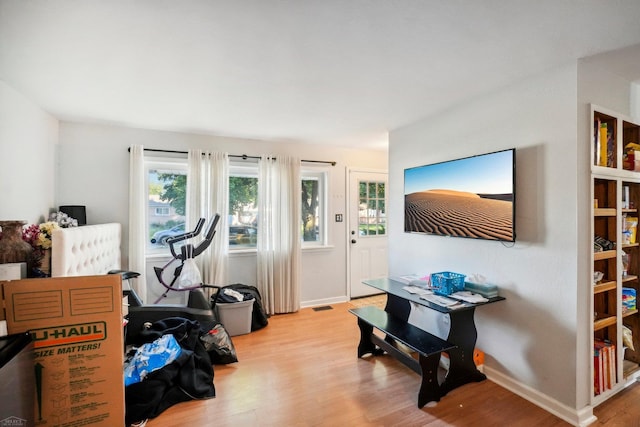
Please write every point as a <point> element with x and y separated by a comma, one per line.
<point>188,377</point>
<point>219,345</point>
<point>259,318</point>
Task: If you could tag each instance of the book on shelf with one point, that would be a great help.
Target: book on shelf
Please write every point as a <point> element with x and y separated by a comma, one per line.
<point>597,372</point>
<point>611,149</point>
<point>606,359</point>
<point>604,144</point>
<point>604,365</point>
<point>612,366</point>
<point>596,143</point>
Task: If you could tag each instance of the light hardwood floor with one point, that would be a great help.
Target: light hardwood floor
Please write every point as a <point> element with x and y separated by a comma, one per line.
<point>302,370</point>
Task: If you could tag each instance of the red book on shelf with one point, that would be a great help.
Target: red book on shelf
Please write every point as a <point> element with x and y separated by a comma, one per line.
<point>597,372</point>
<point>605,366</point>
<point>602,352</point>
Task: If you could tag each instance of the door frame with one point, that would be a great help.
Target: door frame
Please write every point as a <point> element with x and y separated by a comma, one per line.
<point>349,215</point>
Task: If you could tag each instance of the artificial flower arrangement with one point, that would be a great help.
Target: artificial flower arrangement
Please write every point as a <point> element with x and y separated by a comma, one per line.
<point>39,235</point>
<point>63,220</point>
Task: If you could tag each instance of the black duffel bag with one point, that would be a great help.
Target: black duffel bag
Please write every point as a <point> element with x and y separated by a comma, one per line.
<point>188,377</point>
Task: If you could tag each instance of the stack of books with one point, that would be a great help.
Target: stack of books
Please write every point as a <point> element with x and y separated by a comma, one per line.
<point>604,366</point>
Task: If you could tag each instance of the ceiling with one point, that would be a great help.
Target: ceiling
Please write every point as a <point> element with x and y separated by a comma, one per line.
<point>341,72</point>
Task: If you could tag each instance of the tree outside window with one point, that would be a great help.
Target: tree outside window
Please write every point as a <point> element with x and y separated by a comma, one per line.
<point>167,191</point>
<point>310,206</point>
<point>167,186</point>
<point>243,212</point>
<point>372,219</point>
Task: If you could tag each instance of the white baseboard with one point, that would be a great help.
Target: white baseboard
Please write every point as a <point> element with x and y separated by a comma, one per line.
<point>325,301</point>
<point>580,418</point>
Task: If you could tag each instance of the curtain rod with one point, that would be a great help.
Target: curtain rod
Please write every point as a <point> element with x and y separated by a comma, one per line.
<point>241,156</point>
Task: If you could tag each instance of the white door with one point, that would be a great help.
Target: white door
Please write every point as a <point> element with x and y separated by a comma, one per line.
<point>367,230</point>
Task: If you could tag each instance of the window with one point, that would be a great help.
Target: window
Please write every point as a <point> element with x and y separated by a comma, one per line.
<point>313,221</point>
<point>166,193</point>
<point>243,206</point>
<point>372,217</point>
<point>166,212</point>
<point>243,209</point>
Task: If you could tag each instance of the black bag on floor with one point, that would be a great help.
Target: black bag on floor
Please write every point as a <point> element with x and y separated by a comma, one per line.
<point>188,377</point>
<point>259,319</point>
<point>218,344</point>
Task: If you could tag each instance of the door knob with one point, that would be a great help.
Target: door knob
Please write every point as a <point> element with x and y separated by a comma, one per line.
<point>353,240</point>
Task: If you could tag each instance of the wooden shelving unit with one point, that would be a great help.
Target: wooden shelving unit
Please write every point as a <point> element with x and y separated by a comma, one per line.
<point>604,212</point>
<point>629,368</point>
<point>599,256</point>
<point>604,322</point>
<point>604,286</point>
<point>615,182</point>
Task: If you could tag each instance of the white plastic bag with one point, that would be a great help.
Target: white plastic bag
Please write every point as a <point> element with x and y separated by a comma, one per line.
<point>234,294</point>
<point>190,275</point>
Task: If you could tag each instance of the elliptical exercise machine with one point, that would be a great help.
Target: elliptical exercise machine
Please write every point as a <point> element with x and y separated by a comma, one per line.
<point>187,253</point>
<point>197,307</point>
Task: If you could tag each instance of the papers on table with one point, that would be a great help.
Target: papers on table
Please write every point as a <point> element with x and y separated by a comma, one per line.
<point>455,300</point>
<point>467,296</point>
<point>443,301</point>
<point>412,279</point>
<point>428,295</point>
<point>417,290</point>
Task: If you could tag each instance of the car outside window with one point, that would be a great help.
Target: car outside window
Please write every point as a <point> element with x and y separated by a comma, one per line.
<point>166,213</point>
<point>160,237</point>
<point>166,202</point>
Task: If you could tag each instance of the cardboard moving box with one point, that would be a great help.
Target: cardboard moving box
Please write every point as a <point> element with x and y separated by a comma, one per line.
<point>76,327</point>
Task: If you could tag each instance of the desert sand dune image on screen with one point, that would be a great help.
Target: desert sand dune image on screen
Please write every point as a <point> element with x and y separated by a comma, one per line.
<point>460,214</point>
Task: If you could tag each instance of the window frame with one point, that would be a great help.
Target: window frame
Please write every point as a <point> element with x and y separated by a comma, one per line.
<point>369,198</point>
<point>247,169</point>
<point>244,169</point>
<point>321,174</point>
<point>150,163</point>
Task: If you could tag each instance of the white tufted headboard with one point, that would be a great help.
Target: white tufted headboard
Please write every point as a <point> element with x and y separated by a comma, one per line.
<point>85,251</point>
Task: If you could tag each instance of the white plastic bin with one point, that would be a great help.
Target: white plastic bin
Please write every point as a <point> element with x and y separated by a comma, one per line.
<point>236,316</point>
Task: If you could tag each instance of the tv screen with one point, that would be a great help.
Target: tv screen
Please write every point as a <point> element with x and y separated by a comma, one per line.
<point>472,197</point>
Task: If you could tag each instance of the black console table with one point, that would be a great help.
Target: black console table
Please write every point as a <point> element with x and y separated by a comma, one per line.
<point>462,332</point>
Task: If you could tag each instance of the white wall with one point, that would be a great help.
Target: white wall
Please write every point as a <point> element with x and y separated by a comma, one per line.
<point>529,337</point>
<point>94,171</point>
<point>27,146</point>
<point>635,101</point>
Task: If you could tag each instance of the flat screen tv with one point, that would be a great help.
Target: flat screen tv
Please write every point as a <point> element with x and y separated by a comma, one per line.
<point>472,197</point>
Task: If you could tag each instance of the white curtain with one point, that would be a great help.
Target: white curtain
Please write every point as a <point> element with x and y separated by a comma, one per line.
<point>137,232</point>
<point>278,245</point>
<point>207,195</point>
